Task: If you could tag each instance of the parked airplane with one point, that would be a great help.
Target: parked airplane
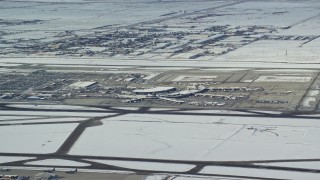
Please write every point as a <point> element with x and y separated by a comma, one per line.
<point>72,172</point>
<point>50,170</point>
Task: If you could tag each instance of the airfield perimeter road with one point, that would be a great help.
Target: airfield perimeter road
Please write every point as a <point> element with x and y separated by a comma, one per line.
<point>69,142</point>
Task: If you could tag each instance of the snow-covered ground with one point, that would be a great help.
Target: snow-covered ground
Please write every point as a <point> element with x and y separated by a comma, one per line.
<point>163,109</point>
<point>5,159</point>
<point>68,169</point>
<point>54,113</point>
<point>187,177</point>
<point>68,16</point>
<point>126,108</point>
<point>283,79</point>
<point>40,120</point>
<point>313,92</point>
<point>53,107</point>
<point>34,138</point>
<point>307,101</point>
<point>276,51</point>
<point>224,112</point>
<point>147,165</point>
<point>9,65</point>
<point>219,138</point>
<point>186,78</point>
<point>161,62</point>
<point>88,66</point>
<point>262,173</point>
<point>7,118</point>
<point>303,165</point>
<point>57,162</point>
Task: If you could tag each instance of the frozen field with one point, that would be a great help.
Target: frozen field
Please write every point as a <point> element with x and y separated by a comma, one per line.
<point>40,120</point>
<point>202,138</point>
<point>5,159</point>
<point>62,107</point>
<point>54,113</point>
<point>273,31</point>
<point>309,164</point>
<point>283,79</point>
<point>148,165</point>
<point>67,15</point>
<point>276,51</point>
<point>260,173</point>
<point>34,138</point>
<point>57,162</point>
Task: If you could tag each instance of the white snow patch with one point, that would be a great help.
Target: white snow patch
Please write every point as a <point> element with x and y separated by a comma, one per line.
<point>5,159</point>
<point>286,70</point>
<point>307,101</point>
<point>193,137</point>
<point>40,120</point>
<point>151,166</point>
<point>126,108</point>
<point>214,112</point>
<point>259,173</point>
<point>313,92</point>
<point>9,65</point>
<point>67,169</point>
<point>34,138</point>
<point>53,107</point>
<point>163,109</point>
<point>224,69</point>
<point>165,68</point>
<point>6,118</point>
<point>186,78</point>
<point>57,162</point>
<point>185,177</point>
<point>283,79</point>
<point>54,113</point>
<point>151,76</point>
<point>303,165</point>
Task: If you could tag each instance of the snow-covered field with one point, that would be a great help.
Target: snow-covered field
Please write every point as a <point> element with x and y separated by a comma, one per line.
<point>8,118</point>
<point>283,79</point>
<point>263,173</point>
<point>147,165</point>
<point>68,16</point>
<point>41,120</point>
<point>51,107</point>
<point>303,165</point>
<point>308,101</point>
<point>187,177</point>
<point>5,159</point>
<point>161,62</point>
<point>57,162</point>
<point>34,138</point>
<point>276,51</point>
<point>219,138</point>
<point>183,78</point>
<point>8,65</point>
<point>54,113</point>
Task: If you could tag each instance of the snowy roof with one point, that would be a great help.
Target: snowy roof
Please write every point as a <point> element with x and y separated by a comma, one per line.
<point>82,84</point>
<point>154,90</point>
